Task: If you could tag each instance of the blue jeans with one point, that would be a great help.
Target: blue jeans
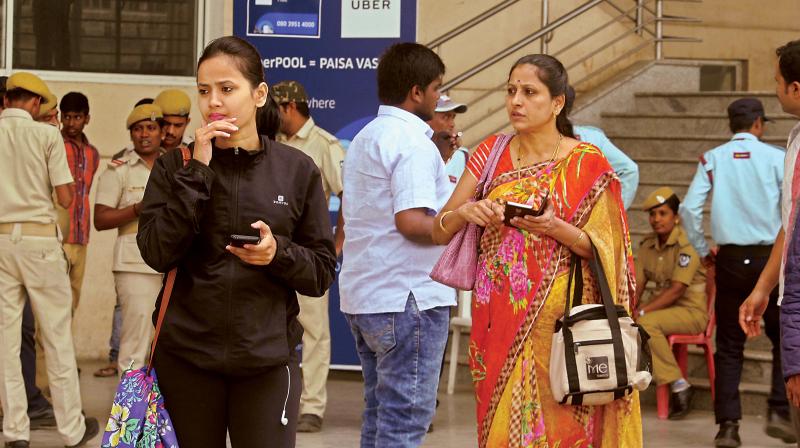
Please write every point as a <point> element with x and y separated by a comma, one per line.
<point>401,357</point>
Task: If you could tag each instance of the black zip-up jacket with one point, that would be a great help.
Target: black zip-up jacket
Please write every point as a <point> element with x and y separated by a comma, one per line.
<point>224,314</point>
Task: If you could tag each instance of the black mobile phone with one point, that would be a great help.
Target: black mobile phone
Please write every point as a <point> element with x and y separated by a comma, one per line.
<point>241,240</point>
<point>517,210</point>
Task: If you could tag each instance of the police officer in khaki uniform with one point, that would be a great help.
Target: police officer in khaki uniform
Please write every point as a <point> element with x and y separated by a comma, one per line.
<point>678,303</point>
<point>48,113</point>
<point>299,130</point>
<point>175,105</point>
<point>119,195</point>
<point>32,260</point>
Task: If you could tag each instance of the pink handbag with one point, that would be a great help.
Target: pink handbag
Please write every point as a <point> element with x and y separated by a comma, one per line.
<point>458,264</point>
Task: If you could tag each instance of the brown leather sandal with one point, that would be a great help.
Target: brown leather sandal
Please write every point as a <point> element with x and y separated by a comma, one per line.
<point>107,371</point>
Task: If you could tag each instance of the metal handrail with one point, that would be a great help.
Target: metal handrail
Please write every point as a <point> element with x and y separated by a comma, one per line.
<point>651,31</point>
<point>564,49</point>
<point>521,44</point>
<point>471,23</point>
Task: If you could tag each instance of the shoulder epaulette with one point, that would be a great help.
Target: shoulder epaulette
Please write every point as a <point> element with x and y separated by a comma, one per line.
<point>327,135</point>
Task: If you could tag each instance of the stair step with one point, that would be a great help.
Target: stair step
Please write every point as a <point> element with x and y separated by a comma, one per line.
<point>701,101</point>
<point>679,124</point>
<point>681,146</point>
<point>681,170</point>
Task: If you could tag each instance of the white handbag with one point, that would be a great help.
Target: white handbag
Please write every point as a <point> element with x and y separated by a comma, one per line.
<point>599,353</point>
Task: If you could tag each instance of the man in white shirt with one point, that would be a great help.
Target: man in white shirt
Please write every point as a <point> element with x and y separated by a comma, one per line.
<point>395,182</point>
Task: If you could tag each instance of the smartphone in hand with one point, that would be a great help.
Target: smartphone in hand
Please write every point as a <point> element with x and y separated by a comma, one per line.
<point>241,240</point>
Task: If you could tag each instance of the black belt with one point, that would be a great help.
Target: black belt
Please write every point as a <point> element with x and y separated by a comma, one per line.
<point>755,251</point>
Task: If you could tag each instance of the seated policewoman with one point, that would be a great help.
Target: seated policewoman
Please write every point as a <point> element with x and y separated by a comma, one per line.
<point>678,302</point>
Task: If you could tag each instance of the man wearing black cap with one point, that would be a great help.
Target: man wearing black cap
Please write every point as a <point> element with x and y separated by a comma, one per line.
<point>746,177</point>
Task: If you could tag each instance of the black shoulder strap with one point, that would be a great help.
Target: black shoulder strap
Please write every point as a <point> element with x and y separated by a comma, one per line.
<point>613,320</point>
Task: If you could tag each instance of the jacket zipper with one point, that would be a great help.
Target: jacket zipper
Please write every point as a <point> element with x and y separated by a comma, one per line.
<point>234,220</point>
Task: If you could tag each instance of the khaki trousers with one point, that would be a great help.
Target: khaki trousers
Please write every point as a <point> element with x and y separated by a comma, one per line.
<point>137,295</point>
<point>316,353</point>
<point>662,323</point>
<point>37,265</point>
<point>76,256</point>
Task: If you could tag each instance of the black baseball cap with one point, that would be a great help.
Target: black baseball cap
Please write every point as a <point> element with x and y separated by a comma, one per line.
<point>747,107</point>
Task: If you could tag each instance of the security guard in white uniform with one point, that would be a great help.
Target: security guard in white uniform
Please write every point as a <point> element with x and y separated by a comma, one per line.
<point>119,194</point>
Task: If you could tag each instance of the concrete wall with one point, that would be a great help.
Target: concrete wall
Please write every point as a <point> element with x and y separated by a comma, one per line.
<point>732,29</point>
<point>745,30</point>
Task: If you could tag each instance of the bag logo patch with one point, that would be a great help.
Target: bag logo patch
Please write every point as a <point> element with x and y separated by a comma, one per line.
<point>684,260</point>
<point>597,368</point>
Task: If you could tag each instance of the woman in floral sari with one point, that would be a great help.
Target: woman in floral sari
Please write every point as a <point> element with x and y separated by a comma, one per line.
<point>522,270</point>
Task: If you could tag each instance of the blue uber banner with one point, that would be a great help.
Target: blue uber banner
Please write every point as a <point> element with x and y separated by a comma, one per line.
<point>332,47</point>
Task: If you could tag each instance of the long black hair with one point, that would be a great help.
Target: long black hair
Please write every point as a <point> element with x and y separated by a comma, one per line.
<point>248,61</point>
<point>553,74</point>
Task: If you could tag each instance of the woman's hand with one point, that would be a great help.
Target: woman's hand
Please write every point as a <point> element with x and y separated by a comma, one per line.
<point>260,254</point>
<point>205,133</point>
<point>539,225</point>
<point>484,213</point>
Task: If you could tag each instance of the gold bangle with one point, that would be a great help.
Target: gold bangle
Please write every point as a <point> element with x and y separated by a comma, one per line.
<point>441,221</point>
<point>577,240</point>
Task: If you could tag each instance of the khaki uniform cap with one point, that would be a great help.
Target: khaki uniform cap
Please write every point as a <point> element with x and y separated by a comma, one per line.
<point>289,91</point>
<point>29,82</point>
<point>658,197</point>
<point>50,104</point>
<point>144,112</point>
<point>174,102</point>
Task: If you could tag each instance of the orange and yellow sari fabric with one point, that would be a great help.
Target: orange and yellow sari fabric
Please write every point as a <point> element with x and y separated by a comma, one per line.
<point>519,294</point>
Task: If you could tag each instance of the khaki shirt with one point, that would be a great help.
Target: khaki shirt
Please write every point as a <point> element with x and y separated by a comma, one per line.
<point>121,185</point>
<point>34,161</point>
<point>675,261</point>
<point>326,151</point>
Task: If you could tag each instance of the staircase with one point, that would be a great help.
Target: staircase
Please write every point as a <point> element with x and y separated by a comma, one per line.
<point>665,133</point>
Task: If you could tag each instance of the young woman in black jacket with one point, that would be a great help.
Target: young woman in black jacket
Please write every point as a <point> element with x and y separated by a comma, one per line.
<point>225,359</point>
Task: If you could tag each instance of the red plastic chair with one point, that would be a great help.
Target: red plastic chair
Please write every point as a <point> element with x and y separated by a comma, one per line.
<point>679,343</point>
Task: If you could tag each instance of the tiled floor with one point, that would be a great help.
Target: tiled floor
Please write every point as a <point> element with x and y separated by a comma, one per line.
<point>454,423</point>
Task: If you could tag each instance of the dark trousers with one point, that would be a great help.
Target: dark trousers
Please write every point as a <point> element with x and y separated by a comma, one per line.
<point>205,406</point>
<point>27,355</point>
<point>737,271</point>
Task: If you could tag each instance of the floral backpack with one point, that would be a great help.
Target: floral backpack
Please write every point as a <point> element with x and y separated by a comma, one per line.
<point>138,416</point>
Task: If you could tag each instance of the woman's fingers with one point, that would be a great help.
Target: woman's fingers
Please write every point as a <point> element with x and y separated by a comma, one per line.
<point>497,210</point>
